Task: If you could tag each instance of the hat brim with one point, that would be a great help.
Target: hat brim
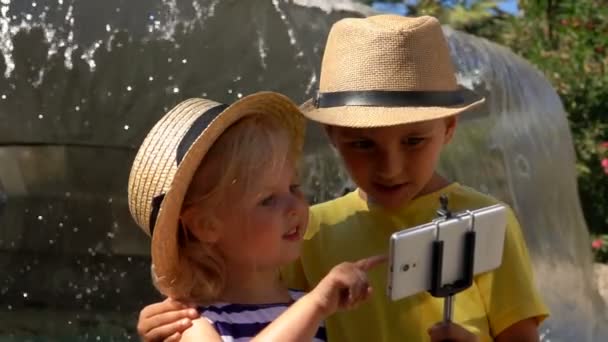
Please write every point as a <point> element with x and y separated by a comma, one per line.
<point>165,249</point>
<point>376,116</point>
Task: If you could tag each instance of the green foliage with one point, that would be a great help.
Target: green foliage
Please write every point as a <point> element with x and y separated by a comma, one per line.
<point>599,247</point>
<point>568,41</point>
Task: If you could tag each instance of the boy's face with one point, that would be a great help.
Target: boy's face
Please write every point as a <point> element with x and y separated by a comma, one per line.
<point>393,165</point>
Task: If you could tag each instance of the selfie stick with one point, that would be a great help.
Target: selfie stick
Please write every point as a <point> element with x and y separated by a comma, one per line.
<point>448,291</point>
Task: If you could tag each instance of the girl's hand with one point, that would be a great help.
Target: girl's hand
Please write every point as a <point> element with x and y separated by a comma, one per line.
<point>345,286</point>
<point>165,321</point>
<point>449,331</point>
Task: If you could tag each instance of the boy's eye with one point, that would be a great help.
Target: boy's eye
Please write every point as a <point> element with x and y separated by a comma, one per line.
<point>413,141</point>
<point>268,201</point>
<point>294,188</point>
<point>361,144</point>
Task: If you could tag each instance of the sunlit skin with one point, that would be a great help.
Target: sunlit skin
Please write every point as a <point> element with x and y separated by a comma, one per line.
<point>393,165</point>
<point>262,235</point>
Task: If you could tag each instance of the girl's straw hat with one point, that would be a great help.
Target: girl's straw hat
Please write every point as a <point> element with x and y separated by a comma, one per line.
<point>172,151</point>
<point>387,70</point>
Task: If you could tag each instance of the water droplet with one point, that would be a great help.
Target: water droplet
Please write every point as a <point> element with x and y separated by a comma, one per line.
<point>75,229</point>
<point>79,296</point>
<point>60,224</point>
<point>110,235</point>
<point>40,218</point>
<point>69,322</point>
<point>151,17</point>
<point>28,17</point>
<point>175,90</point>
<point>40,116</point>
<point>68,194</point>
<point>3,97</point>
<point>51,242</point>
<point>24,294</point>
<point>151,78</point>
<point>184,61</point>
<point>169,59</point>
<point>229,91</point>
<point>239,95</point>
<point>10,307</point>
<point>34,4</point>
<point>77,108</point>
<point>126,127</point>
<point>129,88</point>
<point>109,93</point>
<point>170,78</point>
<point>60,2</point>
<point>108,28</point>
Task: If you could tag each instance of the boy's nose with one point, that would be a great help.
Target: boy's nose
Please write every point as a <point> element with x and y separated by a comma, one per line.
<point>389,164</point>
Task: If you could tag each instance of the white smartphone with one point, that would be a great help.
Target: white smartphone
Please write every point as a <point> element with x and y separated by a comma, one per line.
<point>411,251</point>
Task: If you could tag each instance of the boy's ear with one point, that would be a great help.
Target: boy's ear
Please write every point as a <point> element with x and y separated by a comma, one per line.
<point>450,127</point>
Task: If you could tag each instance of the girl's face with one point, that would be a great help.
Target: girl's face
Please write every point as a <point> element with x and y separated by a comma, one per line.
<point>264,227</point>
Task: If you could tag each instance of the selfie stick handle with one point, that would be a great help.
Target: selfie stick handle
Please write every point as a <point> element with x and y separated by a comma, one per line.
<point>448,308</point>
<point>449,290</point>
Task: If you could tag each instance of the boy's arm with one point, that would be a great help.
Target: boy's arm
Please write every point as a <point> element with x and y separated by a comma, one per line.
<point>509,293</point>
<point>165,321</point>
<point>524,331</point>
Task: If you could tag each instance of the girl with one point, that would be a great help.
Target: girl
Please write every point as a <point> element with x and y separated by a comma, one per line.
<point>216,188</point>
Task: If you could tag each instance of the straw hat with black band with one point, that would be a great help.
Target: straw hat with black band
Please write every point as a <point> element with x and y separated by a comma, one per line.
<point>171,153</point>
<point>387,70</point>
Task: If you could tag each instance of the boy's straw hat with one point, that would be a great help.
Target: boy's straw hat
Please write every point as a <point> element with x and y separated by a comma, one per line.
<point>387,70</point>
<point>172,151</point>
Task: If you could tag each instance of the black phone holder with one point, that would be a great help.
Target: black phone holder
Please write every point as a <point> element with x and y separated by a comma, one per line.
<point>448,291</point>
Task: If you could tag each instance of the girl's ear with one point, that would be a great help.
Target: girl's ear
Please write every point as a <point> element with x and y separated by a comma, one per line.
<point>203,230</point>
<point>450,127</point>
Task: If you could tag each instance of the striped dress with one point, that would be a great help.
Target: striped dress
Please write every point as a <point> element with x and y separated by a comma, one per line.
<point>241,322</point>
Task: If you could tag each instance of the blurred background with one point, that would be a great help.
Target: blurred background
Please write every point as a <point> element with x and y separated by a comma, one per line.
<point>82,82</point>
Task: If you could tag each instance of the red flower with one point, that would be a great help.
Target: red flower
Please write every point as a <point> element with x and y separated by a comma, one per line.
<point>605,163</point>
<point>597,244</point>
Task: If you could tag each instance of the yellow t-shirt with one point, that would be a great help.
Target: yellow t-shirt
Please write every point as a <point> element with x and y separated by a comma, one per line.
<point>348,228</point>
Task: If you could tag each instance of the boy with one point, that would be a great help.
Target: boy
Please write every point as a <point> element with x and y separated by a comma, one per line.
<point>388,98</point>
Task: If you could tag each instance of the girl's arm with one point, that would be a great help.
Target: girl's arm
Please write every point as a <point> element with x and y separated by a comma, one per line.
<point>201,330</point>
<point>344,287</point>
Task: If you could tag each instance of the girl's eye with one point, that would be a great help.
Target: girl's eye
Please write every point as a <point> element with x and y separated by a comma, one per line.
<point>414,141</point>
<point>268,201</point>
<point>361,144</point>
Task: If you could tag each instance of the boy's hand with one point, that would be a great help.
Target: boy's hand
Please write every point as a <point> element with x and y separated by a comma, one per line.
<point>345,286</point>
<point>452,332</point>
<point>165,321</point>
